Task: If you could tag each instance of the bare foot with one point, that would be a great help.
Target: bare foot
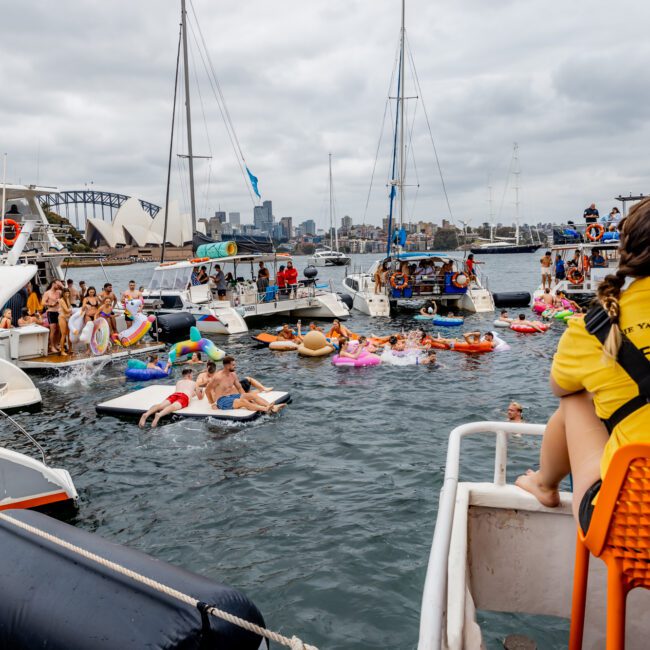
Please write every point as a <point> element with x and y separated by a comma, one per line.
<point>276,408</point>
<point>530,481</point>
<point>267,390</point>
<point>154,422</point>
<point>142,422</point>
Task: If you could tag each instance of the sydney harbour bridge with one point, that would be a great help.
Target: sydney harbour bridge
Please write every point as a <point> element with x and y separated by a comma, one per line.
<point>79,205</point>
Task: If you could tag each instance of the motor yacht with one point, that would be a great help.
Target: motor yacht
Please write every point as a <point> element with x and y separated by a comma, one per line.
<point>327,257</point>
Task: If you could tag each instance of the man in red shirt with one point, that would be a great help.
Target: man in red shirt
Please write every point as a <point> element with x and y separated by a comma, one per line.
<point>281,280</point>
<point>291,275</point>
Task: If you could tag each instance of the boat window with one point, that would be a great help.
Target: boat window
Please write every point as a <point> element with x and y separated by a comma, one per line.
<point>171,279</point>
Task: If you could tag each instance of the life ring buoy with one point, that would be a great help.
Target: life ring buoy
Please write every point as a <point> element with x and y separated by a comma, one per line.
<point>460,279</point>
<point>198,260</point>
<point>394,278</point>
<point>575,276</point>
<point>17,228</point>
<point>600,231</point>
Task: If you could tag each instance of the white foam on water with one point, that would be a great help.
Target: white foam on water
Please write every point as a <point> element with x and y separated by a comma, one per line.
<point>81,375</point>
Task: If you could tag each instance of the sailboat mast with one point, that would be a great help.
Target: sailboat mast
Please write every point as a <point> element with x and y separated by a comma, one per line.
<point>402,156</point>
<point>491,214</point>
<point>516,172</point>
<point>331,219</point>
<point>188,114</point>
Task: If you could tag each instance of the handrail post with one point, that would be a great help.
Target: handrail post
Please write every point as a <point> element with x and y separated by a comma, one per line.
<point>501,458</point>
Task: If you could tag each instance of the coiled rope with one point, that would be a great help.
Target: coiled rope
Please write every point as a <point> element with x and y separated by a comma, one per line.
<point>294,642</point>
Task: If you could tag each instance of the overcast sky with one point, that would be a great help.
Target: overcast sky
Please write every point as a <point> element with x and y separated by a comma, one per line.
<point>87,96</point>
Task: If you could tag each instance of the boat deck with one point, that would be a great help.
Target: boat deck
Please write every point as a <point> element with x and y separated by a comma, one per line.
<point>56,361</point>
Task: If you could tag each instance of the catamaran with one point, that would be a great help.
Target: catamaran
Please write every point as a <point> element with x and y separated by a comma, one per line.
<point>403,279</point>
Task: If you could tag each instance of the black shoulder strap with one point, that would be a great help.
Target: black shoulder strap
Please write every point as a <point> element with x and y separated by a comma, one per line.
<point>630,358</point>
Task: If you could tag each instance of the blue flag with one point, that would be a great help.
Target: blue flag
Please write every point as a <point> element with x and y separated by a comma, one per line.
<point>253,180</point>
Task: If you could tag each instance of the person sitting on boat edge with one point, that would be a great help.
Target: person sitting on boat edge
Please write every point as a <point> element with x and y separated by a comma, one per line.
<point>27,319</point>
<point>5,321</point>
<point>602,408</point>
<point>185,390</point>
<point>225,392</point>
<point>596,260</point>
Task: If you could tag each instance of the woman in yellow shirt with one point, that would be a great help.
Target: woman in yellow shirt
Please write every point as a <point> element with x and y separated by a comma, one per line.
<point>34,304</point>
<point>602,407</point>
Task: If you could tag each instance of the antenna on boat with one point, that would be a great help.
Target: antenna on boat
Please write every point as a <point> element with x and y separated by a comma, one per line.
<point>4,200</point>
<point>188,113</point>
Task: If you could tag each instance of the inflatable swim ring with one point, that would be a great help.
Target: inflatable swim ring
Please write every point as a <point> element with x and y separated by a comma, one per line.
<point>141,324</point>
<point>283,346</point>
<point>76,324</point>
<point>100,337</point>
<point>195,344</point>
<point>539,306</point>
<point>444,321</point>
<point>501,345</point>
<point>314,344</point>
<point>564,314</point>
<point>137,371</point>
<point>364,359</point>
<point>472,348</point>
<point>400,358</point>
<point>501,323</point>
<point>527,329</point>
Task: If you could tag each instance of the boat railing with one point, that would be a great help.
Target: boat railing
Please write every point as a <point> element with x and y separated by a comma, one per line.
<point>26,434</point>
<point>434,597</point>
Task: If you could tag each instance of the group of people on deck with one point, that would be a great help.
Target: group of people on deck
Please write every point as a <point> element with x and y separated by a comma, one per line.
<point>557,270</point>
<point>220,283</point>
<point>54,307</point>
<point>414,272</point>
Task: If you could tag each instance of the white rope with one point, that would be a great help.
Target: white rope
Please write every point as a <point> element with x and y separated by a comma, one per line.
<point>294,642</point>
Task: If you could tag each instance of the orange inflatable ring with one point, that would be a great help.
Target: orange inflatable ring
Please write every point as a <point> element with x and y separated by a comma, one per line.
<point>473,348</point>
<point>461,284</point>
<point>393,280</point>
<point>599,228</point>
<point>575,276</point>
<point>17,228</point>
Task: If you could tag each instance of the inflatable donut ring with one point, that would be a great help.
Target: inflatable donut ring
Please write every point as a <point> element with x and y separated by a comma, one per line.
<point>100,337</point>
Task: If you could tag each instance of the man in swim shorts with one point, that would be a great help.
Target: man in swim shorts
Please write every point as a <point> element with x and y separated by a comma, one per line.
<point>180,399</point>
<point>225,392</point>
<point>545,263</point>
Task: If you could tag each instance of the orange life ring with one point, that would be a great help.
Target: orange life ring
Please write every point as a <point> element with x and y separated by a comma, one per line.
<point>17,228</point>
<point>456,283</point>
<point>575,276</point>
<point>599,228</point>
<point>402,284</point>
<point>198,260</point>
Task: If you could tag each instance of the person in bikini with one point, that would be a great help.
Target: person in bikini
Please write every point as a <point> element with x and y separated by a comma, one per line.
<point>106,312</point>
<point>90,305</point>
<point>186,389</point>
<point>225,392</point>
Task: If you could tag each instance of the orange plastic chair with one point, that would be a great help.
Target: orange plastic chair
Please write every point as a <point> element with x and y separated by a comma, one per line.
<point>619,534</point>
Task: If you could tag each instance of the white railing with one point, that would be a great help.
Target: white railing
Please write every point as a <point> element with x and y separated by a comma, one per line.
<point>434,596</point>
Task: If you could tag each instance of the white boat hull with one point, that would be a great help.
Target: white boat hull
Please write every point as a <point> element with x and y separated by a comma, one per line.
<point>477,300</point>
<point>16,389</point>
<point>361,288</point>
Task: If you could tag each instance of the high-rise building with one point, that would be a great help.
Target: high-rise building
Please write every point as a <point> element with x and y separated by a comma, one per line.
<point>263,216</point>
<point>346,223</point>
<point>309,227</point>
<point>220,216</point>
<point>287,226</point>
<point>384,224</point>
<point>234,218</point>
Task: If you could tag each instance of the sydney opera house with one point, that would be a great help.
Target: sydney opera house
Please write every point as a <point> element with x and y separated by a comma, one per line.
<point>132,226</point>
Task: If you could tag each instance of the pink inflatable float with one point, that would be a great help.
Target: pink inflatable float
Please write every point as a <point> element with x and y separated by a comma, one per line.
<point>366,358</point>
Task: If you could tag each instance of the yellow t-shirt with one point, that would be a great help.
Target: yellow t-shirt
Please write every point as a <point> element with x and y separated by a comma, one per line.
<point>33,304</point>
<point>578,364</point>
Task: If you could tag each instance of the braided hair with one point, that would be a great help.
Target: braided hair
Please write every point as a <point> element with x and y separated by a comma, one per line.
<point>634,262</point>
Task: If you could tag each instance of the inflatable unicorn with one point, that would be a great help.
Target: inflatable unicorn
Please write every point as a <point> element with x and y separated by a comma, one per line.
<point>76,324</point>
<point>195,344</point>
<point>141,324</point>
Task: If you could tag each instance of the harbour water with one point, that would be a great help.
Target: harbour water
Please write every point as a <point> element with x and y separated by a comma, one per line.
<point>323,514</point>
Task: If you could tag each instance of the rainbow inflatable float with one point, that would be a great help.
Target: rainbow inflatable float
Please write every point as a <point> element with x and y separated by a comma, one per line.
<point>195,344</point>
<point>141,324</point>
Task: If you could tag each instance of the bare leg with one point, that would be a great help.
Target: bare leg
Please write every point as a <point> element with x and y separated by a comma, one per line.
<point>256,384</point>
<point>574,441</point>
<point>154,409</point>
<point>245,403</point>
<point>176,406</point>
<point>254,397</point>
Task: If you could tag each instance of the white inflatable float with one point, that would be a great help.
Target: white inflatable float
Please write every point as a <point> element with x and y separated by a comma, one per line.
<point>142,400</point>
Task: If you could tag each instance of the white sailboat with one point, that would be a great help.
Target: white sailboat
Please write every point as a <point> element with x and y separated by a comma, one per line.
<point>438,277</point>
<point>330,256</point>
